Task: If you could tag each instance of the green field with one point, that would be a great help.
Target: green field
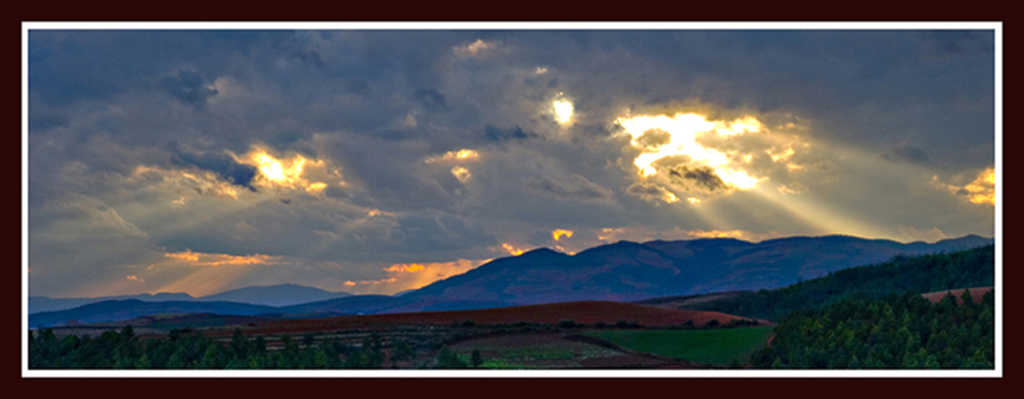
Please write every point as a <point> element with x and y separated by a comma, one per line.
<point>716,347</point>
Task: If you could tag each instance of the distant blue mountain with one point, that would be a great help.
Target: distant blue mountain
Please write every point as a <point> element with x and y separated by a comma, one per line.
<point>116,310</point>
<point>275,295</point>
<point>269,295</point>
<point>627,271</point>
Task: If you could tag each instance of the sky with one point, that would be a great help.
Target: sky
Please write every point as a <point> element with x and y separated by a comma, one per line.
<point>380,161</point>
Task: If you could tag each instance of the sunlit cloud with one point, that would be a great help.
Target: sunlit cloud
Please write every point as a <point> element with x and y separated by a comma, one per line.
<point>404,268</point>
<point>662,137</point>
<point>781,155</point>
<point>405,276</point>
<point>718,234</point>
<point>563,111</point>
<point>640,234</point>
<point>793,188</point>
<point>559,233</point>
<point>511,250</point>
<point>461,174</point>
<point>210,259</point>
<point>134,278</point>
<point>463,155</point>
<point>201,182</point>
<point>476,49</point>
<point>982,190</point>
<point>292,173</point>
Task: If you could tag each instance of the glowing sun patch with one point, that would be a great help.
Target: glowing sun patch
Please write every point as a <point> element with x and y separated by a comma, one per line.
<point>661,136</point>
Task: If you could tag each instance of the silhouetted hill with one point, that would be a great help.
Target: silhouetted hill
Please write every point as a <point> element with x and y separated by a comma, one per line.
<point>269,295</point>
<point>627,271</point>
<point>127,309</point>
<point>275,295</point>
<point>38,304</point>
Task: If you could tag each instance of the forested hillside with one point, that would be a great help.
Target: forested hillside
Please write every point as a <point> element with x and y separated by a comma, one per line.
<point>924,273</point>
<point>905,331</point>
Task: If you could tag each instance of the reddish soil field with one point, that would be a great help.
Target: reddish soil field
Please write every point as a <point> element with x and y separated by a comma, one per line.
<point>587,312</point>
<point>976,294</point>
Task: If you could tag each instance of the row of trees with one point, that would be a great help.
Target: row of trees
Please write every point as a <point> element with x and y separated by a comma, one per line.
<point>186,350</point>
<point>905,331</point>
<point>925,273</point>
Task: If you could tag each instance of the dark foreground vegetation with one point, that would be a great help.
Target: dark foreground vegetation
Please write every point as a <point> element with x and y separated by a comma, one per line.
<point>190,350</point>
<point>905,331</point>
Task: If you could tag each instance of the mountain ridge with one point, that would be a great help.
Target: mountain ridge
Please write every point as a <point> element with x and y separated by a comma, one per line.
<point>624,271</point>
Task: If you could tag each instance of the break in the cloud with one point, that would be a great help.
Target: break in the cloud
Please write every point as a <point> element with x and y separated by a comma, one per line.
<point>378,161</point>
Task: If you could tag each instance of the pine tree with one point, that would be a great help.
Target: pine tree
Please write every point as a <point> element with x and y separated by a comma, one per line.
<point>476,359</point>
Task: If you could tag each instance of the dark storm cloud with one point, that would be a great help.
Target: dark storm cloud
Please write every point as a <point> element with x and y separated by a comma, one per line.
<point>909,153</point>
<point>221,164</point>
<point>647,191</point>
<point>431,100</point>
<point>700,178</point>
<point>493,133</point>
<point>189,87</point>
<point>576,188</point>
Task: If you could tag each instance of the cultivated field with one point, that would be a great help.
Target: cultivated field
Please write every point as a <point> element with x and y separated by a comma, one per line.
<point>976,294</point>
<point>717,347</point>
<point>588,312</point>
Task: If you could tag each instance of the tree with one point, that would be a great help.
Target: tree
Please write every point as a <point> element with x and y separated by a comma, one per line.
<point>475,359</point>
<point>127,332</point>
<point>448,359</point>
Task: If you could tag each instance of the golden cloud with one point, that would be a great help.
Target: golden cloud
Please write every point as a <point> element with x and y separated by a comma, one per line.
<point>461,174</point>
<point>982,190</point>
<point>476,49</point>
<point>511,249</point>
<point>295,173</point>
<point>462,155</point>
<point>660,137</point>
<point>212,259</point>
<point>405,268</point>
<point>559,233</point>
<point>400,277</point>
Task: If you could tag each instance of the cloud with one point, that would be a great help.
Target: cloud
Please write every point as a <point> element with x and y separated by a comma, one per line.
<point>576,188</point>
<point>702,179</point>
<point>104,107</point>
<point>431,100</point>
<point>463,155</point>
<point>651,192</point>
<point>78,217</point>
<point>929,235</point>
<point>401,277</point>
<point>189,87</point>
<point>223,165</point>
<point>559,233</point>
<point>190,258</point>
<point>981,190</point>
<point>477,49</point>
<point>516,133</point>
<point>908,153</point>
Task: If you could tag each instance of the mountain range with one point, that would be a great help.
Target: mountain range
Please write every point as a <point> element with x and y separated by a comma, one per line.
<point>269,295</point>
<point>623,271</point>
